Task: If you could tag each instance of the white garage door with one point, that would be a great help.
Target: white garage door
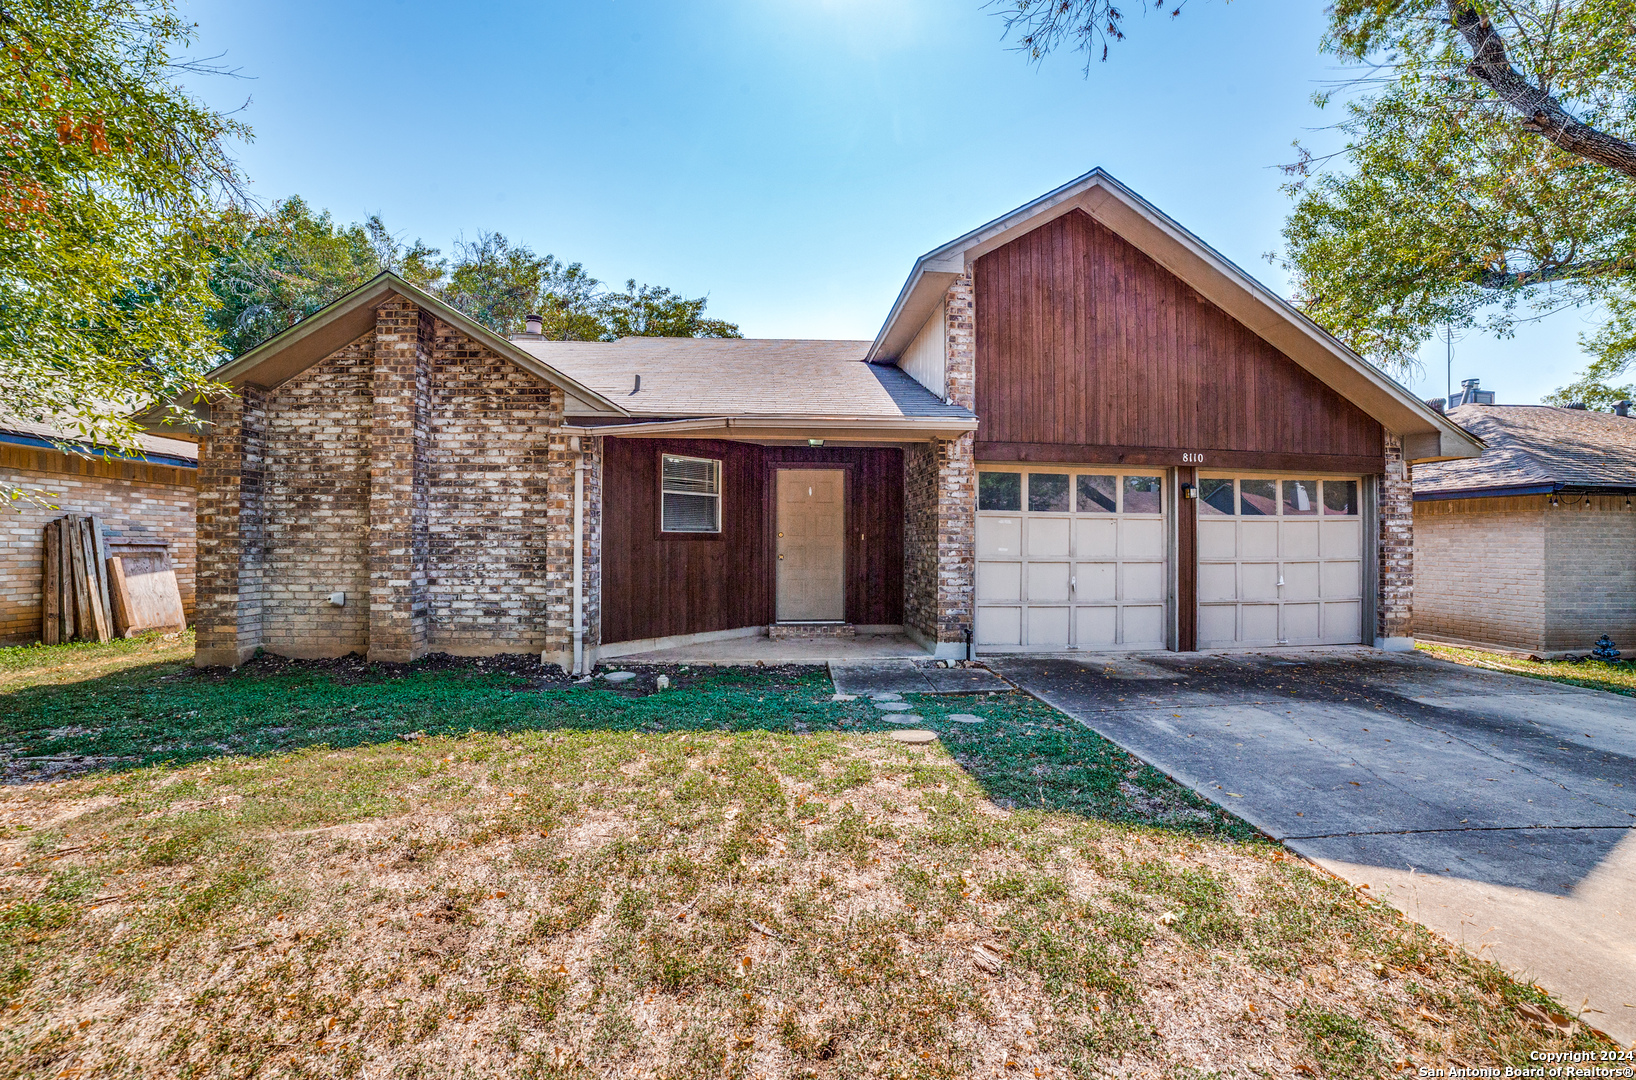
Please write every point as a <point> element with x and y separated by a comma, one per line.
<point>1070,557</point>
<point>1280,561</point>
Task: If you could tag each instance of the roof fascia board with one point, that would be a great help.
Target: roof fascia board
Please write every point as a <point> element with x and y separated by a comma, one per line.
<point>1491,493</point>
<point>915,428</point>
<point>345,319</point>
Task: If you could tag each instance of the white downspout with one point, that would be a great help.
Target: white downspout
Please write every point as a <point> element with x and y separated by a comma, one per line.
<point>579,561</point>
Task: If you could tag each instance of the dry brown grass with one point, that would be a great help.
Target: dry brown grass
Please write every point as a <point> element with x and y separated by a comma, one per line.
<point>621,904</point>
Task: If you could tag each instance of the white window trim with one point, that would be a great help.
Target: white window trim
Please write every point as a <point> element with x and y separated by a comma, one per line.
<point>715,464</point>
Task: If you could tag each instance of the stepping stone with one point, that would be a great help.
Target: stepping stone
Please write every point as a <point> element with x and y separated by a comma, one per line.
<point>964,718</point>
<point>903,718</point>
<point>915,737</point>
<point>893,706</point>
<point>843,697</point>
<point>885,697</point>
<point>620,676</point>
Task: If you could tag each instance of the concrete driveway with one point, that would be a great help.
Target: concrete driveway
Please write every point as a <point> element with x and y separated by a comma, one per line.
<point>1496,809</point>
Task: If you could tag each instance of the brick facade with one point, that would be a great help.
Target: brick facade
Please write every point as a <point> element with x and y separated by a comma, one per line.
<point>418,472</point>
<point>134,500</point>
<point>940,500</point>
<point>1394,599</point>
<point>1522,574</point>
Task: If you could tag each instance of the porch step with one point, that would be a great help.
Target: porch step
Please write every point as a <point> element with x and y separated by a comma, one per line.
<point>786,630</point>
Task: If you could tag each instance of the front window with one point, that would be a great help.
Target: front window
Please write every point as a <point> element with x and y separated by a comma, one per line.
<point>690,495</point>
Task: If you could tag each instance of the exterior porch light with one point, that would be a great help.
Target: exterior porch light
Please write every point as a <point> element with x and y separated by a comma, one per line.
<point>815,442</point>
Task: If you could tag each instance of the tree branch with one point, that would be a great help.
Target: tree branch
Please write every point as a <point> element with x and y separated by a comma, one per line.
<point>1564,271</point>
<point>1540,111</point>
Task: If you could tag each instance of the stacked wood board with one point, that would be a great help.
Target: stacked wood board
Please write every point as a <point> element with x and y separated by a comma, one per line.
<point>90,595</point>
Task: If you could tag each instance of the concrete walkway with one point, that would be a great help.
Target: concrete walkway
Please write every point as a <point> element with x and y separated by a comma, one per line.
<point>864,677</point>
<point>1498,810</point>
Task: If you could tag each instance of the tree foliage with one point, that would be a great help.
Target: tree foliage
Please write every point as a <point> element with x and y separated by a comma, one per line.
<point>1451,206</point>
<point>111,181</point>
<point>275,268</point>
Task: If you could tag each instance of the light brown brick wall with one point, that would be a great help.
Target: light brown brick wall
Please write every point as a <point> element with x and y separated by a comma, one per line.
<point>1590,576</point>
<point>420,473</point>
<point>135,500</point>
<point>940,498</point>
<point>317,507</point>
<point>1480,571</point>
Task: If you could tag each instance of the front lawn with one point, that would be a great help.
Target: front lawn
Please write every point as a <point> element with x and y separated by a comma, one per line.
<point>465,870</point>
<point>1616,678</point>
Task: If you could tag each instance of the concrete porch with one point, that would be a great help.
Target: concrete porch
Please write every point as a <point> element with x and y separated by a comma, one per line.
<point>761,649</point>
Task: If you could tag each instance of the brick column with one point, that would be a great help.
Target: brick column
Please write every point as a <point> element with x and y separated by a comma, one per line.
<point>1394,601</point>
<point>940,501</point>
<point>231,533</point>
<point>398,538</point>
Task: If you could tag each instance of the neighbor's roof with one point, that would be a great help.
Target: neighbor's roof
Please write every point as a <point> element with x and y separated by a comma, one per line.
<point>154,449</point>
<point>766,378</point>
<point>1534,449</point>
<point>1426,434</point>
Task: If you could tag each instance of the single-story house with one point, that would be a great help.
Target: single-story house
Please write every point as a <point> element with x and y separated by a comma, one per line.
<point>1532,545</point>
<point>145,503</point>
<point>1079,427</point>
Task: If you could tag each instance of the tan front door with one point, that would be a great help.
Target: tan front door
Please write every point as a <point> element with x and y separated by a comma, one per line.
<point>811,545</point>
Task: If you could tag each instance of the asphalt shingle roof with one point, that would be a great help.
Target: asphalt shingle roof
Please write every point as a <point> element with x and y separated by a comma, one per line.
<point>771,377</point>
<point>1536,446</point>
<point>29,433</point>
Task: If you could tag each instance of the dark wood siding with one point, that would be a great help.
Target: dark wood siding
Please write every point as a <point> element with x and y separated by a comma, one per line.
<point>1089,350</point>
<point>659,585</point>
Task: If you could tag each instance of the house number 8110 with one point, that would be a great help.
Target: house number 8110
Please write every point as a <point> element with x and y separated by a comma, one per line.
<point>1192,459</point>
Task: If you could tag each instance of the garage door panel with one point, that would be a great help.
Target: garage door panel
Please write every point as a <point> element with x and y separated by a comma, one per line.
<point>1142,581</point>
<point>1144,626</point>
<point>1095,581</point>
<point>1260,623</point>
<point>1300,581</point>
<point>1048,581</point>
<point>999,581</point>
<point>1141,538</point>
<point>1258,539</point>
<point>1300,623</point>
<point>1218,581</point>
<point>1096,626</point>
<point>1258,581</point>
<point>1342,622</point>
<point>1089,569</point>
<point>1299,539</point>
<point>1342,539</point>
<point>1218,625</point>
<point>1048,627</point>
<point>999,626</point>
<point>999,537</point>
<point>1096,538</point>
<point>1218,539</point>
<point>1342,579</point>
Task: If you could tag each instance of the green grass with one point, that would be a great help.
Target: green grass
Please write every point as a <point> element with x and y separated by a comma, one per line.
<point>1615,678</point>
<point>252,875</point>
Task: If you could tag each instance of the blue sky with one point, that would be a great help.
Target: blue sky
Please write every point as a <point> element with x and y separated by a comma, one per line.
<point>790,158</point>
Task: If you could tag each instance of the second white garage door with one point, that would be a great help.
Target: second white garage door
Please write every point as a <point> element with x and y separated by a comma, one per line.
<point>1070,558</point>
<point>1280,561</point>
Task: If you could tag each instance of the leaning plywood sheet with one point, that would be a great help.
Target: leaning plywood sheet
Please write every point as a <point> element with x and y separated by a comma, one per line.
<point>142,582</point>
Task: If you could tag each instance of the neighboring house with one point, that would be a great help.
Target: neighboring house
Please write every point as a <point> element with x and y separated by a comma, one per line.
<point>1014,455</point>
<point>1531,546</point>
<point>142,502</point>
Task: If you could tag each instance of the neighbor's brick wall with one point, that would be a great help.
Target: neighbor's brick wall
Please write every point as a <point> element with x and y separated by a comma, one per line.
<point>1590,586</point>
<point>940,497</point>
<point>135,500</point>
<point>317,506</point>
<point>1394,601</point>
<point>1480,571</point>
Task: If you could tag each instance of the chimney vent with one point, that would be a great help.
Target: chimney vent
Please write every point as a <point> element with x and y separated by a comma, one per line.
<point>1622,408</point>
<point>1436,403</point>
<point>533,322</point>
